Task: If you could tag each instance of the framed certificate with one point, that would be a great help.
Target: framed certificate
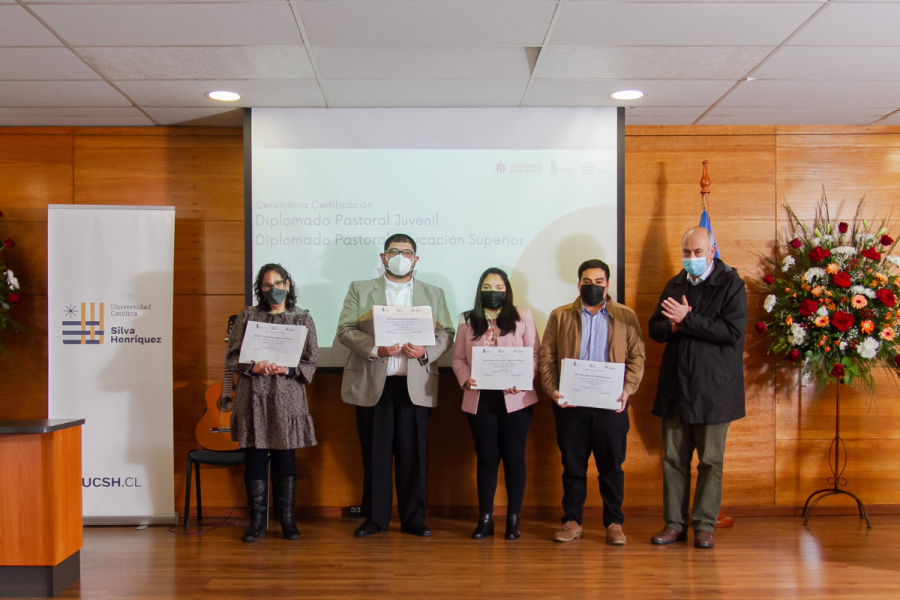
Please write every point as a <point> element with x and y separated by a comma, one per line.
<point>502,368</point>
<point>279,344</point>
<point>594,384</point>
<point>403,325</point>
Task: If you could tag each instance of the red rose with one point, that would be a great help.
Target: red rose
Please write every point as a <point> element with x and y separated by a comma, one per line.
<point>808,307</point>
<point>15,298</point>
<point>768,280</point>
<point>843,227</point>
<point>842,321</point>
<point>871,254</point>
<point>760,327</point>
<point>897,360</point>
<point>886,240</point>
<point>841,279</point>
<point>819,253</point>
<point>9,243</point>
<point>796,243</point>
<point>794,356</point>
<point>837,370</point>
<point>886,296</point>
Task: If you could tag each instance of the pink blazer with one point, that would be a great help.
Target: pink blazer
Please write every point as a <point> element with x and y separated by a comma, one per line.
<point>524,335</point>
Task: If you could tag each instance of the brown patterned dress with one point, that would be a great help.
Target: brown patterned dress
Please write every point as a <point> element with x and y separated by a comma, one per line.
<point>271,412</point>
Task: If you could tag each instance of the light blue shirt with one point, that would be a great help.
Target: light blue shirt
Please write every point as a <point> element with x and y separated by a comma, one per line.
<point>594,335</point>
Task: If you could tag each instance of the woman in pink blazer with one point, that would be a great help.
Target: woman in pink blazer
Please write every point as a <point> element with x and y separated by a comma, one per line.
<point>499,419</point>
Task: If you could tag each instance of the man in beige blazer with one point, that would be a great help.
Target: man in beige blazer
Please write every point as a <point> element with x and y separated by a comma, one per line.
<point>394,389</point>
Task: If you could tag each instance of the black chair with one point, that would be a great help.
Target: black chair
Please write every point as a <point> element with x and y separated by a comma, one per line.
<point>205,457</point>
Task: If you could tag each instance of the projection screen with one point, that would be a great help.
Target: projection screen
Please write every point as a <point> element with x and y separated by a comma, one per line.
<point>534,191</point>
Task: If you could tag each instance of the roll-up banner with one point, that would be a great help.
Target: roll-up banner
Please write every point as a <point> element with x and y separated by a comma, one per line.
<point>109,319</point>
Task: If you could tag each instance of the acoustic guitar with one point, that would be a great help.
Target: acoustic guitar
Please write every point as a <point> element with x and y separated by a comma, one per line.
<point>214,429</point>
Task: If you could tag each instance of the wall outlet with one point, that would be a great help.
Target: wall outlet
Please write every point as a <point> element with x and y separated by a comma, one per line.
<point>352,512</point>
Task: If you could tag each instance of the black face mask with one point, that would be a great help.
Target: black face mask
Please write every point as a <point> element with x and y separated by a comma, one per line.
<point>592,295</point>
<point>274,296</point>
<point>492,300</point>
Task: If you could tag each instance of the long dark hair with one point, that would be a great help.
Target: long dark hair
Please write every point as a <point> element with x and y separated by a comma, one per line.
<point>291,300</point>
<point>508,317</point>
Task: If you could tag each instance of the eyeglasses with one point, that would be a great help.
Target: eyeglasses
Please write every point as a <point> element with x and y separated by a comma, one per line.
<point>394,252</point>
<point>278,285</point>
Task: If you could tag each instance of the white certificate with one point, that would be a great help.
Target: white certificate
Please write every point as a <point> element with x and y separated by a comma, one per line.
<point>279,344</point>
<point>502,368</point>
<point>594,384</point>
<point>403,325</point>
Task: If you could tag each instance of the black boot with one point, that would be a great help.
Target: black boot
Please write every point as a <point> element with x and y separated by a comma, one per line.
<point>485,527</point>
<point>256,502</point>
<point>284,500</point>
<point>512,527</point>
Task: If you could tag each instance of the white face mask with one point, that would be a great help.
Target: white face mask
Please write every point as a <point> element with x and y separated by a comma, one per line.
<point>399,266</point>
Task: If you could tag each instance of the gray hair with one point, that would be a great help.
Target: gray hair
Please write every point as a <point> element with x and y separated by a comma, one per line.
<point>709,235</point>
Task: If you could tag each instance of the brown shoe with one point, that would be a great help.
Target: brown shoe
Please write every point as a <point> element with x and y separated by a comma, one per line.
<point>668,536</point>
<point>570,531</point>
<point>704,539</point>
<point>614,535</point>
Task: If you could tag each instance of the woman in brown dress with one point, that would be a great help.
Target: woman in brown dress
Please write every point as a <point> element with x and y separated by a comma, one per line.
<point>271,415</point>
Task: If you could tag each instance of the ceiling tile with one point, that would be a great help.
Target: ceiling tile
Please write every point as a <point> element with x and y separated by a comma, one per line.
<point>176,116</point>
<point>670,24</point>
<point>853,63</point>
<point>277,93</point>
<point>853,24</point>
<point>892,120</point>
<point>456,62</point>
<point>18,28</point>
<point>765,93</point>
<point>663,115</point>
<point>649,62</point>
<point>205,24</point>
<point>59,93</point>
<point>43,63</point>
<point>426,23</point>
<point>595,92</point>
<point>424,93</point>
<point>73,117</point>
<point>202,62</point>
<point>793,116</point>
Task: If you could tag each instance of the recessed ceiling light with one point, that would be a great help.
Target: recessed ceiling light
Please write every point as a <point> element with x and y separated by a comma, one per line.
<point>750,79</point>
<point>627,95</point>
<point>224,96</point>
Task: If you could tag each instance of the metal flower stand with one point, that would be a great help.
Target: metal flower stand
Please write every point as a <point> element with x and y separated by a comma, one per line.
<point>838,448</point>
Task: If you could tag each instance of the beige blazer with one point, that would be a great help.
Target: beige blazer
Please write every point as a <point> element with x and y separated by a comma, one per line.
<point>364,375</point>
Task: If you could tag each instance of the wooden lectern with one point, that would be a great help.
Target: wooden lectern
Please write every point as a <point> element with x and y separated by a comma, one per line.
<point>40,507</point>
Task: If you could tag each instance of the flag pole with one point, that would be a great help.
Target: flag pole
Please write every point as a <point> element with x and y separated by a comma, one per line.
<point>723,520</point>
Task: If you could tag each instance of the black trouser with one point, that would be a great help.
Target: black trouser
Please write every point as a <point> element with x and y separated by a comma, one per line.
<point>256,463</point>
<point>499,435</point>
<point>581,431</point>
<point>394,430</point>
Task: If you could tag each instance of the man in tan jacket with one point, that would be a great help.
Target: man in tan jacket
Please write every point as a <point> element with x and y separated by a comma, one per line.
<point>592,328</point>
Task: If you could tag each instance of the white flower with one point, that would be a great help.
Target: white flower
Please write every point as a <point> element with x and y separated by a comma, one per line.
<point>11,280</point>
<point>869,348</point>
<point>844,250</point>
<point>787,262</point>
<point>842,346</point>
<point>894,260</point>
<point>769,304</point>
<point>823,311</point>
<point>797,335</point>
<point>859,289</point>
<point>813,273</point>
<point>815,242</point>
<point>864,237</point>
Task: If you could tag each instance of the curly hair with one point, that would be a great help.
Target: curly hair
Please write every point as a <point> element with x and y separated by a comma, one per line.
<point>291,300</point>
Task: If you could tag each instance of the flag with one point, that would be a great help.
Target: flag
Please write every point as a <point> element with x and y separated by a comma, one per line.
<point>704,222</point>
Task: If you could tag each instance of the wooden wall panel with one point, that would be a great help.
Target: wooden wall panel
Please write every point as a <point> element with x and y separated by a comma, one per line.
<point>775,456</point>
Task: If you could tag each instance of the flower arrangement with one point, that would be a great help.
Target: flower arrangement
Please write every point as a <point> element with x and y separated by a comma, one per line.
<point>9,291</point>
<point>833,299</point>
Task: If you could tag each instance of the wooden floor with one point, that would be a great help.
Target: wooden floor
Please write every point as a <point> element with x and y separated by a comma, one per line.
<point>760,558</point>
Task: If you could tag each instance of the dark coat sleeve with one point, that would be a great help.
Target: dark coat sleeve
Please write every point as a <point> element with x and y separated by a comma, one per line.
<point>660,326</point>
<point>727,329</point>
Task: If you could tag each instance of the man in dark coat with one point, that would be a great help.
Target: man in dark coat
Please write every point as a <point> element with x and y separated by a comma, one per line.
<point>701,317</point>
